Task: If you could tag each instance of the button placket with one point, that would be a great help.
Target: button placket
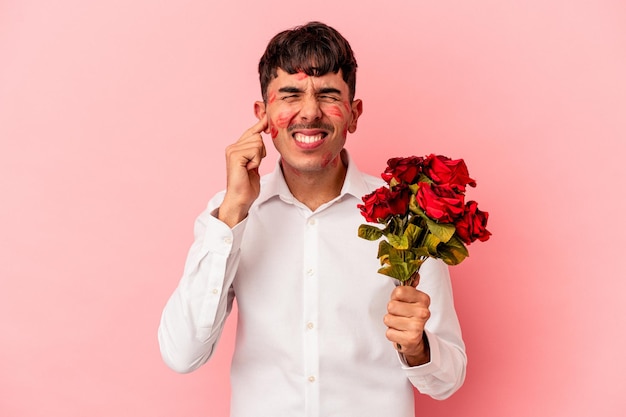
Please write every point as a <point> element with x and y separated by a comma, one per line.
<point>310,303</point>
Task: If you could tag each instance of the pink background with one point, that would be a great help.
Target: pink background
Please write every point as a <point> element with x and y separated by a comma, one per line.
<point>113,120</point>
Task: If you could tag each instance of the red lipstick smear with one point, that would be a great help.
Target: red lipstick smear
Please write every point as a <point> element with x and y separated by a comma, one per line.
<point>292,170</point>
<point>272,98</point>
<point>326,159</point>
<point>273,132</point>
<point>334,112</point>
<point>282,121</point>
<point>301,76</point>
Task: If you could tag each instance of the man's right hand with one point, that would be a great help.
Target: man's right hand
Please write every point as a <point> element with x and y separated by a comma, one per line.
<point>243,159</point>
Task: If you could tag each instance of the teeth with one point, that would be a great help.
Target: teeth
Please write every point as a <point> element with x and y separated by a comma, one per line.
<point>307,139</point>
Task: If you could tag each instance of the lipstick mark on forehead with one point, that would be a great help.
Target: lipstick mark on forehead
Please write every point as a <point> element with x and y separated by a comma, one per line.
<point>301,76</point>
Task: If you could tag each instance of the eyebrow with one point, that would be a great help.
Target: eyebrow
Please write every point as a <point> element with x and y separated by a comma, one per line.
<point>325,90</point>
<point>329,90</point>
<point>290,90</point>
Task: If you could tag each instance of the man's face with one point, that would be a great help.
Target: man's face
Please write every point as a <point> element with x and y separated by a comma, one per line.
<point>309,119</point>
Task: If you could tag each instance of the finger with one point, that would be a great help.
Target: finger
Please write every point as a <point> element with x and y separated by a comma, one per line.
<point>405,339</point>
<point>257,128</point>
<point>246,150</point>
<point>417,311</point>
<point>409,295</point>
<point>407,318</point>
<point>252,142</point>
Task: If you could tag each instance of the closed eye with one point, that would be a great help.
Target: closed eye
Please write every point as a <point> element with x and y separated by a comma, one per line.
<point>290,98</point>
<point>328,99</point>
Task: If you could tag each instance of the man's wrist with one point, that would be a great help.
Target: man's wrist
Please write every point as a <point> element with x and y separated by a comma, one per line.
<point>421,358</point>
<point>232,215</point>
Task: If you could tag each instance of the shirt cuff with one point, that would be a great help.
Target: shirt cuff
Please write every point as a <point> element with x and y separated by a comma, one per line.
<point>219,238</point>
<point>429,367</point>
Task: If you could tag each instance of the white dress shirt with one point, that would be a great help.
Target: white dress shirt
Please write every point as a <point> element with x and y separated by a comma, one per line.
<point>310,334</point>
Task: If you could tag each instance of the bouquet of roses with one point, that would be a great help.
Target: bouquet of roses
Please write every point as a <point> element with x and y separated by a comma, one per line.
<point>424,214</point>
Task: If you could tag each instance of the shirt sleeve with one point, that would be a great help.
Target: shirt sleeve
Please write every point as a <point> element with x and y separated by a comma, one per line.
<point>194,316</point>
<point>445,373</point>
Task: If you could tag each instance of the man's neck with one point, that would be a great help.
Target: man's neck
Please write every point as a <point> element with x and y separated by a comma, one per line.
<point>315,189</point>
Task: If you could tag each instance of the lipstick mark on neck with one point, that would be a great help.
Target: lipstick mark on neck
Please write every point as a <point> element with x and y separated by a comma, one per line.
<point>327,159</point>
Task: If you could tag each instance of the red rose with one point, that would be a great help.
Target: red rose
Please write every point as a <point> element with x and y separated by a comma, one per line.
<point>443,170</point>
<point>471,225</point>
<point>398,199</point>
<point>384,202</point>
<point>375,206</point>
<point>440,202</point>
<point>403,169</point>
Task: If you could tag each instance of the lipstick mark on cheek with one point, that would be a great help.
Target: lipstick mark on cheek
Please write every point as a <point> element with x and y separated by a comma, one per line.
<point>273,130</point>
<point>283,119</point>
<point>334,111</point>
<point>272,98</point>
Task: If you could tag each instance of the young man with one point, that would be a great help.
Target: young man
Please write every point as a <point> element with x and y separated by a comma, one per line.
<point>319,332</point>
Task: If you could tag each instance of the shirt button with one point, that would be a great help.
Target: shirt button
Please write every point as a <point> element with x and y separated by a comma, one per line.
<point>215,291</point>
<point>312,222</point>
<point>310,272</point>
<point>228,240</point>
<point>310,325</point>
<point>311,378</point>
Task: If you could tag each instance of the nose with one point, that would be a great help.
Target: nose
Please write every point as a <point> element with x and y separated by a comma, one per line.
<point>310,109</point>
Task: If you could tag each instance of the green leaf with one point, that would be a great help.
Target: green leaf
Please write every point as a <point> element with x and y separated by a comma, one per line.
<point>418,263</point>
<point>424,178</point>
<point>453,252</point>
<point>420,252</point>
<point>397,271</point>
<point>383,251</point>
<point>414,207</point>
<point>412,233</point>
<point>369,232</point>
<point>443,231</point>
<point>396,256</point>
<point>398,242</point>
<point>431,243</point>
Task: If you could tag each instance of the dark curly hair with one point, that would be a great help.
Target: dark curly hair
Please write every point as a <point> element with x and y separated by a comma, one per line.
<point>315,49</point>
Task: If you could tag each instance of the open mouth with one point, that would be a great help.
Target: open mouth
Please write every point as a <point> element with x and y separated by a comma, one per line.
<point>308,139</point>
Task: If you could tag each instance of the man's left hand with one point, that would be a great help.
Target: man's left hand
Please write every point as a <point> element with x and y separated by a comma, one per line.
<point>407,313</point>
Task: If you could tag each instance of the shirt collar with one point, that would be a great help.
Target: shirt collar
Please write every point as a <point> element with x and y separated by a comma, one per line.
<point>274,184</point>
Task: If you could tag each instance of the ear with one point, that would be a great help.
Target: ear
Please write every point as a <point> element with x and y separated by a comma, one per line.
<point>357,110</point>
<point>259,112</point>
